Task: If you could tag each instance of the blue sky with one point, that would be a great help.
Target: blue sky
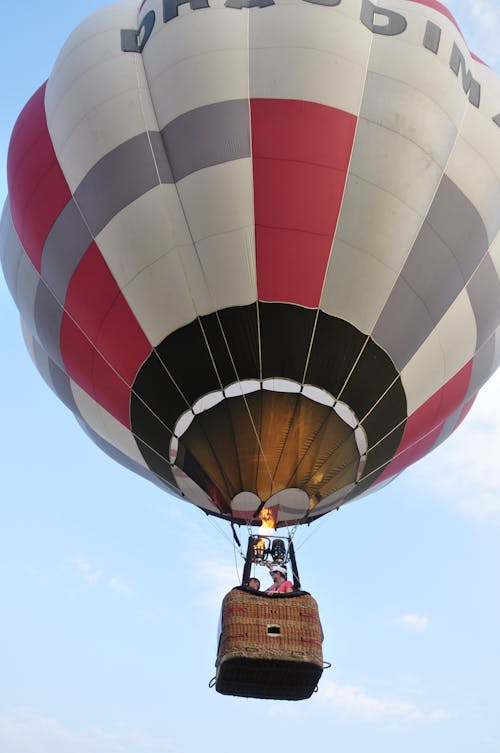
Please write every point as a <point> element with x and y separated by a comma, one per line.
<point>110,589</point>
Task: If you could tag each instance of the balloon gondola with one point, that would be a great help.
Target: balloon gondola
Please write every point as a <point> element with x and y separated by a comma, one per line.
<point>270,644</point>
<point>255,244</point>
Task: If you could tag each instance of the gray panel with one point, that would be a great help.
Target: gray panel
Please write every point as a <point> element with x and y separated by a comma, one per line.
<point>484,295</point>
<point>28,281</point>
<point>41,362</point>
<point>403,325</point>
<point>120,177</point>
<point>48,317</point>
<point>64,247</point>
<point>483,367</point>
<point>432,272</point>
<point>62,387</point>
<point>458,223</point>
<point>162,163</point>
<point>11,250</point>
<point>449,247</point>
<point>124,460</point>
<point>57,379</point>
<point>208,136</point>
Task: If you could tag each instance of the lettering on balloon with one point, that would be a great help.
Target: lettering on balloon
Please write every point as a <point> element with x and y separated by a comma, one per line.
<point>376,18</point>
<point>392,23</point>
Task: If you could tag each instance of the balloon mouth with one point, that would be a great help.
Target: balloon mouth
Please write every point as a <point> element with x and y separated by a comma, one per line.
<point>274,445</point>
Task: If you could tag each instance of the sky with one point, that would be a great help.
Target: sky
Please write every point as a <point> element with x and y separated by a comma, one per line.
<point>110,589</point>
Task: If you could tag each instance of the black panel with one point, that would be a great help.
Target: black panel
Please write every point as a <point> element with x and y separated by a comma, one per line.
<point>154,389</point>
<point>373,374</point>
<point>385,417</point>
<point>336,346</point>
<point>157,464</point>
<point>186,356</point>
<point>285,333</point>
<point>233,340</point>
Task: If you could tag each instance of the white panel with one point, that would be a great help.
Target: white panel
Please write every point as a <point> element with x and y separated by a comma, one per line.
<point>106,425</point>
<point>375,234</point>
<point>396,165</point>
<point>160,297</point>
<point>96,96</point>
<point>143,232</point>
<point>447,349</point>
<point>405,59</point>
<point>315,53</point>
<point>472,168</point>
<point>218,199</point>
<point>228,262</point>
<point>197,59</point>
<point>307,75</point>
<point>184,284</point>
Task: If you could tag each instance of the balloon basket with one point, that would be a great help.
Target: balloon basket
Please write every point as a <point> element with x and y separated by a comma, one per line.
<point>270,646</point>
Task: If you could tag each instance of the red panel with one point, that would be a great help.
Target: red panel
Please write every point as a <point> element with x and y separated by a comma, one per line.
<point>37,187</point>
<point>437,408</point>
<point>91,292</point>
<point>301,153</point>
<point>425,424</point>
<point>122,341</point>
<point>102,316</point>
<point>287,273</point>
<point>84,365</point>
<point>410,455</point>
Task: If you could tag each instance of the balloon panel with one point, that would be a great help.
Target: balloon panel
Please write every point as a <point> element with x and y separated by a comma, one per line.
<point>256,250</point>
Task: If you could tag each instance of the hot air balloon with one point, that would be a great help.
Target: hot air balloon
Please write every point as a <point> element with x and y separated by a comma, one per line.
<point>254,243</point>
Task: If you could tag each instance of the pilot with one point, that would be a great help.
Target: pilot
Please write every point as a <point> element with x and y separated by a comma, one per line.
<point>280,583</point>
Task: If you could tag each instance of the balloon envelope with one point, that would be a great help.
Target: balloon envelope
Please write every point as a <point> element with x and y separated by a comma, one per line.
<point>255,244</point>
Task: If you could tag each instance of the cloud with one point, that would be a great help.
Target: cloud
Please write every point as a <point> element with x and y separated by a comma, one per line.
<point>354,701</point>
<point>464,469</point>
<point>26,731</point>
<point>120,586</point>
<point>217,580</point>
<point>479,21</point>
<point>86,570</point>
<point>92,575</point>
<point>414,622</point>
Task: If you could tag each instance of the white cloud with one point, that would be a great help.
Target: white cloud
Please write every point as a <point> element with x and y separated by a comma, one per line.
<point>217,579</point>
<point>354,701</point>
<point>120,586</point>
<point>26,731</point>
<point>414,622</point>
<point>92,575</point>
<point>479,21</point>
<point>465,469</point>
<point>86,570</point>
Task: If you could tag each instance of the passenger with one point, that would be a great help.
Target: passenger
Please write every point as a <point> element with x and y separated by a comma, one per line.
<point>280,583</point>
<point>254,583</point>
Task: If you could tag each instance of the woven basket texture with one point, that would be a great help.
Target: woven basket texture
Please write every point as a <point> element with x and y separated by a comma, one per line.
<point>263,627</point>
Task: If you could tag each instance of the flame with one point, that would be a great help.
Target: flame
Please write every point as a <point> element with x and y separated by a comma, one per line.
<point>259,548</point>
<point>267,521</point>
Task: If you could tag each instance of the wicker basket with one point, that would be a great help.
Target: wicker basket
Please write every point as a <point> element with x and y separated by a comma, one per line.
<point>270,645</point>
